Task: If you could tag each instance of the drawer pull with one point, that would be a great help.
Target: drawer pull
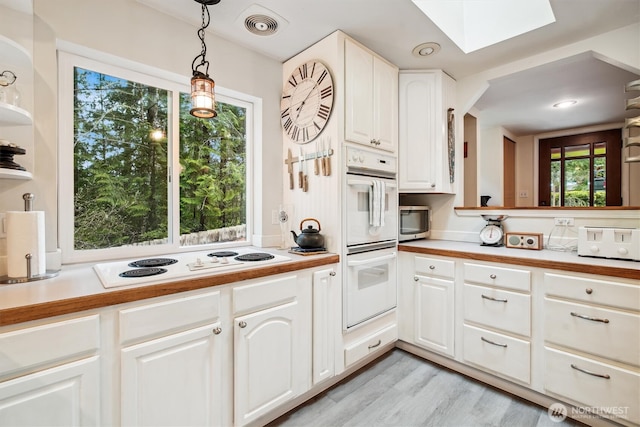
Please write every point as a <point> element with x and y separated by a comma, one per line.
<point>577,368</point>
<point>593,319</point>
<point>416,278</point>
<point>432,267</point>
<point>493,299</point>
<point>493,276</point>
<point>217,330</point>
<point>589,291</point>
<point>375,345</point>
<point>332,274</point>
<point>493,343</point>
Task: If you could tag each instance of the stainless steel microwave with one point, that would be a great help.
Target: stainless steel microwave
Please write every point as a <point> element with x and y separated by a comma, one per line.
<point>414,222</point>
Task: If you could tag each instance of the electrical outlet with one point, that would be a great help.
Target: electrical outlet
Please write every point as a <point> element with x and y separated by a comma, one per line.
<point>274,217</point>
<point>566,222</point>
<point>524,194</point>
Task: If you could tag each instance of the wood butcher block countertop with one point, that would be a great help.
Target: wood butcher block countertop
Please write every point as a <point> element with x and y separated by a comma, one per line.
<point>78,288</point>
<point>546,259</point>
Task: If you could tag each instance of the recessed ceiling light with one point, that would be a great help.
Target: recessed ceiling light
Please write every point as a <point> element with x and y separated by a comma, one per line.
<point>426,49</point>
<point>565,104</point>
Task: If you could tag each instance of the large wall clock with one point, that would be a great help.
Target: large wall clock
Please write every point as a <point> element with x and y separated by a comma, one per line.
<point>307,99</point>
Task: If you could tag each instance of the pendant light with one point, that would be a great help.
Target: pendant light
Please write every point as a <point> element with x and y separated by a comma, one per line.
<point>203,98</point>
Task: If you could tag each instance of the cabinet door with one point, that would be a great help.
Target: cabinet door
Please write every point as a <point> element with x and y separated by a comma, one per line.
<point>418,134</point>
<point>434,321</point>
<point>358,94</point>
<point>324,325</point>
<point>385,105</point>
<point>67,395</point>
<point>174,380</point>
<point>267,353</point>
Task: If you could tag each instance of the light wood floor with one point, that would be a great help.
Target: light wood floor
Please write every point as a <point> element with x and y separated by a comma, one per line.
<point>403,390</point>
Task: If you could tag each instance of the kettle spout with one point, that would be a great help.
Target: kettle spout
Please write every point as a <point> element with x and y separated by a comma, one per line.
<point>295,236</point>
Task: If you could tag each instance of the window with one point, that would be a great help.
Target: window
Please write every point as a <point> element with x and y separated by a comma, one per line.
<point>138,174</point>
<point>581,170</point>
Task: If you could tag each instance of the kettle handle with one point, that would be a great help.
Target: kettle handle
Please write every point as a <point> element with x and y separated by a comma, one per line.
<point>310,219</point>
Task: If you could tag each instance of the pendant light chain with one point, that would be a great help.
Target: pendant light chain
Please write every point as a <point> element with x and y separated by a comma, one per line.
<point>206,19</point>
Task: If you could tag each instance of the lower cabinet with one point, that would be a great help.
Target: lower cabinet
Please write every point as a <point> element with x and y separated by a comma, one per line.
<point>426,302</point>
<point>67,395</point>
<point>50,373</point>
<point>174,380</point>
<point>325,325</point>
<point>592,344</point>
<point>171,361</point>
<point>271,344</point>
<point>266,351</point>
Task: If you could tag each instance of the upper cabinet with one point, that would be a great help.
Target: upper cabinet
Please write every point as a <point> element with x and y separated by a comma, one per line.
<point>371,99</point>
<point>426,132</point>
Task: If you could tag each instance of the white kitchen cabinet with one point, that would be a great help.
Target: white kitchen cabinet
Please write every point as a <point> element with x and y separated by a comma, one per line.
<point>50,374</point>
<point>497,306</point>
<point>592,343</point>
<point>325,324</point>
<point>423,155</point>
<point>172,374</point>
<point>272,349</point>
<point>371,99</point>
<point>427,302</point>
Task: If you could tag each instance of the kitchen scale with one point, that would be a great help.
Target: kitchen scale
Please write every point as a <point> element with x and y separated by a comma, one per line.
<point>492,234</point>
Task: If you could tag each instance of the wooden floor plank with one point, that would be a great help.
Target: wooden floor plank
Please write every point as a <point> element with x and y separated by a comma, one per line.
<point>403,390</point>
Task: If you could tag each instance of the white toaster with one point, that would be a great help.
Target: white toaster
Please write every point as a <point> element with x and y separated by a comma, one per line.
<point>609,242</point>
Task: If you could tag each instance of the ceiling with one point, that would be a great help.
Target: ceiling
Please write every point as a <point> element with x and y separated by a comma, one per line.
<point>392,28</point>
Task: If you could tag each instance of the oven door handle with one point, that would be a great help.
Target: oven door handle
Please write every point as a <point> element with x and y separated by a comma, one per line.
<point>369,182</point>
<point>357,262</point>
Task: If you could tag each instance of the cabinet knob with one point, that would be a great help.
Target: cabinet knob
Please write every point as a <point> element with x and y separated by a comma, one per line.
<point>416,278</point>
<point>332,274</point>
<point>589,291</point>
<point>432,267</point>
<point>242,324</point>
<point>493,276</point>
<point>217,330</point>
<point>433,185</point>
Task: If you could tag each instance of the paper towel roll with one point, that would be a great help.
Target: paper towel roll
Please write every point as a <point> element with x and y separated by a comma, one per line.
<point>25,235</point>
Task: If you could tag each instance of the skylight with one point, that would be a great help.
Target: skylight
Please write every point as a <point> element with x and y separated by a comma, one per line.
<point>475,24</point>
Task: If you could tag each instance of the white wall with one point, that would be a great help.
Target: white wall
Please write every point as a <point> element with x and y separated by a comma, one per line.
<point>130,30</point>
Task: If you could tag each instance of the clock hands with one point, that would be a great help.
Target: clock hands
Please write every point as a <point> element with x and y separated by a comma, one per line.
<point>299,109</point>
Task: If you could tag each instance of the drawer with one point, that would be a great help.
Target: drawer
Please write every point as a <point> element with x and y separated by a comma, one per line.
<point>575,378</point>
<point>498,309</point>
<point>506,356</point>
<point>510,278</point>
<point>47,345</point>
<point>177,314</point>
<point>603,292</point>
<point>431,267</point>
<point>264,294</point>
<point>608,333</point>
<point>369,344</point>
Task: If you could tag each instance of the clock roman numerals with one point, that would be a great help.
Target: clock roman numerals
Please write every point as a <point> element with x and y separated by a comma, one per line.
<point>306,102</point>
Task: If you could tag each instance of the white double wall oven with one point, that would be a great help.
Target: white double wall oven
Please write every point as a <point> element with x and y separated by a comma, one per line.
<point>371,229</point>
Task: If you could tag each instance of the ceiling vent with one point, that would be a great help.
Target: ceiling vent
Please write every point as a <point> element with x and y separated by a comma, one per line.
<point>261,21</point>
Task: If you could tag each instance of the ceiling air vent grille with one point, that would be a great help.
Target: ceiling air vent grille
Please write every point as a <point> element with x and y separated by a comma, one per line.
<point>261,25</point>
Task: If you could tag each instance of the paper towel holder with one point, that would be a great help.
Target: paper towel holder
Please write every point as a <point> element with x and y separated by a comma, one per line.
<point>6,280</point>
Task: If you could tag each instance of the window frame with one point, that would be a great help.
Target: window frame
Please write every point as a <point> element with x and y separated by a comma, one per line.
<point>613,140</point>
<point>70,56</point>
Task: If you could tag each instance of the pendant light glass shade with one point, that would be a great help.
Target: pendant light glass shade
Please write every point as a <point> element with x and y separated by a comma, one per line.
<point>203,98</point>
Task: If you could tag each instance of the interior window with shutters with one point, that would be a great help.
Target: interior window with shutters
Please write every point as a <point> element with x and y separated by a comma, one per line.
<point>139,174</point>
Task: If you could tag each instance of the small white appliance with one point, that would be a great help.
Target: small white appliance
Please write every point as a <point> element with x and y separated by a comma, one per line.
<point>414,222</point>
<point>609,242</point>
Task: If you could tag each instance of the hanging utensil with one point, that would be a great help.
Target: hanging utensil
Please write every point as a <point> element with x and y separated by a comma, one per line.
<point>316,160</point>
<point>300,172</point>
<point>323,161</point>
<point>289,162</point>
<point>328,158</point>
